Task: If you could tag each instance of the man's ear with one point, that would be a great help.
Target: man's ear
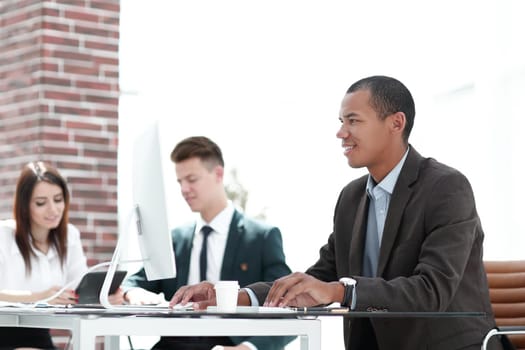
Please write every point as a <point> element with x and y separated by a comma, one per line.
<point>219,172</point>
<point>398,121</point>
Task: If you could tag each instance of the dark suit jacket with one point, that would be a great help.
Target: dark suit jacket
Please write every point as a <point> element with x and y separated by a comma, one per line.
<point>254,252</point>
<point>430,260</point>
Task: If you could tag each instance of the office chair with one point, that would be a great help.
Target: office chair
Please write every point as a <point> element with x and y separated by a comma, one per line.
<point>507,295</point>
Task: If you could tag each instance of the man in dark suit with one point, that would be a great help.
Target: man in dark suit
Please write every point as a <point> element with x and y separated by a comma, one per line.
<point>406,237</point>
<point>236,247</point>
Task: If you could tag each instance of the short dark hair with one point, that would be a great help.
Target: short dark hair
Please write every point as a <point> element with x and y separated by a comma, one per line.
<point>388,96</point>
<point>198,147</point>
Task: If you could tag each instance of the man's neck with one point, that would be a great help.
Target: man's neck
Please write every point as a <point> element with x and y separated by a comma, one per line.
<point>379,172</point>
<point>210,213</point>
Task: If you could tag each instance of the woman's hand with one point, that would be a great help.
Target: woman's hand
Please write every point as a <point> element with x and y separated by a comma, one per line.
<point>69,296</point>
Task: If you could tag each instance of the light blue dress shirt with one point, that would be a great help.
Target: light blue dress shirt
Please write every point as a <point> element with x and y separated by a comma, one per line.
<point>379,195</point>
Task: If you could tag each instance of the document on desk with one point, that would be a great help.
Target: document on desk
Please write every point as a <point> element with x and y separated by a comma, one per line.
<point>10,304</point>
<point>28,305</point>
<point>163,307</point>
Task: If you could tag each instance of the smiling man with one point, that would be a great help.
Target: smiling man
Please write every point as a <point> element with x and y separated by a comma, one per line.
<point>223,244</point>
<point>406,237</point>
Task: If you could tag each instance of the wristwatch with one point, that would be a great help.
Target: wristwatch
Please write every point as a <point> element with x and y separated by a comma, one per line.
<point>349,296</point>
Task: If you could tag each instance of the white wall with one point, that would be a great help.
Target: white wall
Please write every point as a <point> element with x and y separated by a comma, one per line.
<point>265,81</point>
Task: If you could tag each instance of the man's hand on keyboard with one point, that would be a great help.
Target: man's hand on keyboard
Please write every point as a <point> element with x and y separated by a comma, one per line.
<point>201,294</point>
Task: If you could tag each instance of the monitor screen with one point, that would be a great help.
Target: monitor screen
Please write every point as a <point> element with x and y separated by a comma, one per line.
<point>148,195</point>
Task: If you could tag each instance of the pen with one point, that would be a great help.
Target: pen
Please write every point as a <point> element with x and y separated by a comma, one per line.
<point>321,309</point>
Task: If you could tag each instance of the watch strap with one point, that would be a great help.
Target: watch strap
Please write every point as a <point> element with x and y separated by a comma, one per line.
<point>349,291</point>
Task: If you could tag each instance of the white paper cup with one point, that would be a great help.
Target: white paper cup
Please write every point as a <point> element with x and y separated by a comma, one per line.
<point>226,293</point>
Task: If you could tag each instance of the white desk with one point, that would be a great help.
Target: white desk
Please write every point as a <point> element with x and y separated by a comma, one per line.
<point>86,326</point>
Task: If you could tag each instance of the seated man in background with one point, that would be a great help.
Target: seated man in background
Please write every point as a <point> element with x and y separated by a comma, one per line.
<point>235,247</point>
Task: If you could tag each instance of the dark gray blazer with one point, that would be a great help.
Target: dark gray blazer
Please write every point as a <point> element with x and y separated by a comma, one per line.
<point>254,252</point>
<point>430,260</point>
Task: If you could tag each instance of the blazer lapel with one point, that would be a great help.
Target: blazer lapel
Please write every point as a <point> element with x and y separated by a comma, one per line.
<point>400,196</point>
<point>233,241</point>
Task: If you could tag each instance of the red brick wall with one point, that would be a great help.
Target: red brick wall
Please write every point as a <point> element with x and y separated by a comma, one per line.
<point>59,98</point>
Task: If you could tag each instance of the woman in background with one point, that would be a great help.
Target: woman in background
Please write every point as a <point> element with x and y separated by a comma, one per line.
<point>40,252</point>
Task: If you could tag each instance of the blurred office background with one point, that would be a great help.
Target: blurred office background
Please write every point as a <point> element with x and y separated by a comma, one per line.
<point>265,80</point>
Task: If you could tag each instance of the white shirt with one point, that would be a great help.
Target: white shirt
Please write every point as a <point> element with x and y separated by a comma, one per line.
<point>46,270</point>
<point>216,246</point>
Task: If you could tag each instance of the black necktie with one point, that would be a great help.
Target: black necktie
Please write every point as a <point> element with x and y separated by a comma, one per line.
<point>206,230</point>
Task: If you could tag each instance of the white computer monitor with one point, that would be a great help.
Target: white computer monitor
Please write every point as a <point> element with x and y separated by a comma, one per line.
<point>149,213</point>
<point>149,202</point>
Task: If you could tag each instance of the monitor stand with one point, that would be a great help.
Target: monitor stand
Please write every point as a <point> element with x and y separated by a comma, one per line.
<point>115,260</point>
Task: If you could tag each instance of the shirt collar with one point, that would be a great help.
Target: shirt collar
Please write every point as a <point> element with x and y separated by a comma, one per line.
<point>221,222</point>
<point>51,253</point>
<point>388,183</point>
